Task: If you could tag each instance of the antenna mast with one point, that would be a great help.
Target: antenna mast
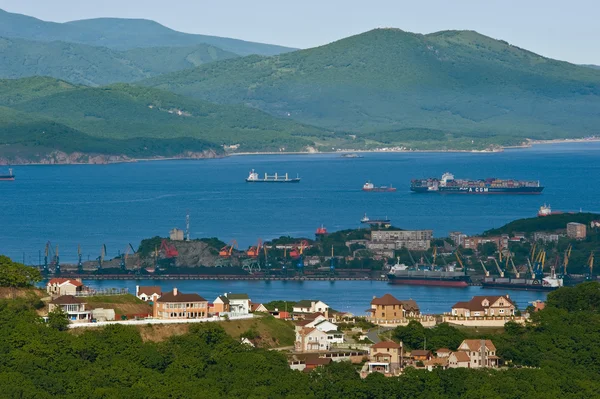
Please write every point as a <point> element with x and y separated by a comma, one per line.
<point>187,226</point>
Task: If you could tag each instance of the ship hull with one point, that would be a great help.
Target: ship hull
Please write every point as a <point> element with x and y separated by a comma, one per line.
<point>518,286</point>
<point>7,178</point>
<point>273,181</point>
<point>458,282</point>
<point>380,190</point>
<point>479,190</point>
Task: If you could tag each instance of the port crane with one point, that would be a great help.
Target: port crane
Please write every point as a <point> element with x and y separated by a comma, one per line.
<point>51,259</point>
<point>299,251</point>
<point>590,262</point>
<point>100,258</point>
<point>254,252</point>
<point>227,250</point>
<point>538,266</point>
<point>514,268</point>
<point>79,262</point>
<point>460,262</point>
<point>125,256</point>
<point>332,263</point>
<point>566,258</point>
<point>500,271</point>
<point>487,273</point>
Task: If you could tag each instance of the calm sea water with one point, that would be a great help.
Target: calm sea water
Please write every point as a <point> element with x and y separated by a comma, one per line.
<point>347,296</point>
<point>119,204</point>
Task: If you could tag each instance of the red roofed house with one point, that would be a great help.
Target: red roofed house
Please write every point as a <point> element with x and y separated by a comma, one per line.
<point>148,293</point>
<point>258,307</point>
<point>64,286</point>
<point>385,357</point>
<point>388,308</point>
<point>459,359</point>
<point>474,353</point>
<point>177,305</point>
<point>310,339</point>
<point>480,306</point>
<point>74,308</point>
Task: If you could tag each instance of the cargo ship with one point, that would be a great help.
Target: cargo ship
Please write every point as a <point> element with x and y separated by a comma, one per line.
<point>545,210</point>
<point>549,283</point>
<point>8,177</point>
<point>449,185</point>
<point>402,274</point>
<point>368,186</point>
<point>375,222</point>
<point>276,178</point>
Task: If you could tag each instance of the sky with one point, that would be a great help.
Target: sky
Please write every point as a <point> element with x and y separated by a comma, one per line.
<point>565,30</point>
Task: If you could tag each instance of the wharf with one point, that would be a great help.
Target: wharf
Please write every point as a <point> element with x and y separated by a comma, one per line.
<point>207,277</point>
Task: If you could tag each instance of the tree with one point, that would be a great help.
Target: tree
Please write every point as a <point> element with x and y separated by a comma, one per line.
<point>17,275</point>
<point>58,319</point>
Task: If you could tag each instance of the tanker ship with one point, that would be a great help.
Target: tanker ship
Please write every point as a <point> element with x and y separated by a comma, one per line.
<point>276,178</point>
<point>9,176</point>
<point>368,186</point>
<point>402,274</point>
<point>449,185</point>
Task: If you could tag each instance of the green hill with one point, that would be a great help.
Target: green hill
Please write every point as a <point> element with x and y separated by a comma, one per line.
<point>40,115</point>
<point>89,65</point>
<point>121,34</point>
<point>459,84</point>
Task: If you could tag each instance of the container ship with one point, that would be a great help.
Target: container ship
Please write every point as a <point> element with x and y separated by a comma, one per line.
<point>550,283</point>
<point>449,185</point>
<point>8,177</point>
<point>276,178</point>
<point>368,186</point>
<point>402,274</point>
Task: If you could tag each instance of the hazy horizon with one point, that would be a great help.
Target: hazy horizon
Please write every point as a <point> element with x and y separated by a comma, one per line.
<point>549,28</point>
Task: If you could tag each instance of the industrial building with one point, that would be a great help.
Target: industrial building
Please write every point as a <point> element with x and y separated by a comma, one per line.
<point>576,231</point>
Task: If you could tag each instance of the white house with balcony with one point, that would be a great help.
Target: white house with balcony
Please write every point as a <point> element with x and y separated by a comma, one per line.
<point>73,306</point>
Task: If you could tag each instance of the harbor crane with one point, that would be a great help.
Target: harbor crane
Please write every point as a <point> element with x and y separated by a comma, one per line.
<point>590,262</point>
<point>51,259</point>
<point>79,261</point>
<point>500,271</point>
<point>332,263</point>
<point>100,258</point>
<point>227,250</point>
<point>487,273</point>
<point>168,249</point>
<point>538,266</point>
<point>566,258</point>
<point>254,252</point>
<point>299,251</point>
<point>514,268</point>
<point>460,262</point>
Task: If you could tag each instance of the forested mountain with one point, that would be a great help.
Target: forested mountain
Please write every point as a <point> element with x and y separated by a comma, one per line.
<point>387,81</point>
<point>89,65</point>
<point>40,115</point>
<point>121,34</point>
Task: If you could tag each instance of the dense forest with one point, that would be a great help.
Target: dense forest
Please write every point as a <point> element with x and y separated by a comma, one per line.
<point>553,356</point>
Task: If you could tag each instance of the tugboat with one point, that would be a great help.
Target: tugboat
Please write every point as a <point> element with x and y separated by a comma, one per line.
<point>8,177</point>
<point>276,178</point>
<point>368,186</point>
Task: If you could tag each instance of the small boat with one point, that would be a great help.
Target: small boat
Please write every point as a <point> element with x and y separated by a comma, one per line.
<point>8,177</point>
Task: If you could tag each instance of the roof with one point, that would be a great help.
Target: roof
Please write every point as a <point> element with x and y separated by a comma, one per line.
<point>256,306</point>
<point>420,352</point>
<point>436,361</point>
<point>474,345</point>
<point>305,303</point>
<point>475,303</point>
<point>461,356</point>
<point>59,281</point>
<point>385,300</point>
<point>318,361</point>
<point>149,290</point>
<point>313,316</point>
<point>302,323</point>
<point>223,299</point>
<point>386,344</point>
<point>410,304</point>
<point>180,297</point>
<point>237,296</point>
<point>66,300</point>
<point>443,350</point>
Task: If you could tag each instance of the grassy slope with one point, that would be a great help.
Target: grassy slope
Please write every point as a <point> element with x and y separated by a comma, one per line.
<point>121,34</point>
<point>456,82</point>
<point>83,64</point>
<point>546,223</point>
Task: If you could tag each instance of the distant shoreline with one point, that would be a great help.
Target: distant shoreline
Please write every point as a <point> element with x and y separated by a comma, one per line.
<point>530,143</point>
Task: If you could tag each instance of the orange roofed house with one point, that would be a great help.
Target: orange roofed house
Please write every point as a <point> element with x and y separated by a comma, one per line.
<point>474,353</point>
<point>389,309</point>
<point>177,305</point>
<point>148,293</point>
<point>385,357</point>
<point>64,286</point>
<point>480,306</point>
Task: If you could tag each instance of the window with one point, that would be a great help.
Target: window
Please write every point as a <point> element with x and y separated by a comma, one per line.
<point>501,311</point>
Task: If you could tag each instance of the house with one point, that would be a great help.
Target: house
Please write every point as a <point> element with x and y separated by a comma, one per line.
<point>100,314</point>
<point>258,307</point>
<point>310,339</point>
<point>310,306</point>
<point>279,314</point>
<point>443,352</point>
<point>576,230</point>
<point>220,305</point>
<point>318,321</point>
<point>177,305</point>
<point>459,359</point>
<point>310,321</point>
<point>148,293</point>
<point>64,286</point>
<point>74,308</point>
<point>420,355</point>
<point>246,341</point>
<point>485,306</point>
<point>538,305</point>
<point>388,309</point>
<point>436,362</point>
<point>312,363</point>
<point>482,352</point>
<point>385,357</point>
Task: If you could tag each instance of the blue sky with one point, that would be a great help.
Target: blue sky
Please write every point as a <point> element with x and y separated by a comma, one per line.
<point>566,30</point>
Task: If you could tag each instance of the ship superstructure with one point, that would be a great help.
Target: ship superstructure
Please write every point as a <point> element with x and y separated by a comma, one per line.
<point>9,177</point>
<point>448,184</point>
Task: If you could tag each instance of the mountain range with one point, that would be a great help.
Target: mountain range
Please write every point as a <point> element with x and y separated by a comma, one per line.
<point>131,88</point>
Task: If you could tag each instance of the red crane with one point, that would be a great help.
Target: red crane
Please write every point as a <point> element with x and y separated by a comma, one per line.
<point>226,251</point>
<point>254,251</point>
<point>168,249</point>
<point>297,252</point>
